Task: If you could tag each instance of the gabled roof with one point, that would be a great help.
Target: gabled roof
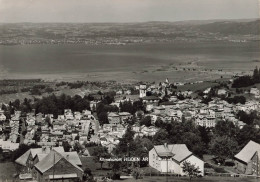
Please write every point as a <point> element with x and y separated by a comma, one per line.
<point>23,158</point>
<point>248,151</point>
<point>124,114</point>
<point>50,160</point>
<point>178,152</point>
<point>181,152</point>
<point>72,157</point>
<point>112,114</point>
<point>169,103</point>
<point>163,151</point>
<point>41,156</point>
<point>151,98</point>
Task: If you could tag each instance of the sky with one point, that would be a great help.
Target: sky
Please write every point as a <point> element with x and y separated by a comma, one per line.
<point>125,10</point>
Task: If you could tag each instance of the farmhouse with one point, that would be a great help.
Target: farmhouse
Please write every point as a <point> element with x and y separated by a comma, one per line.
<point>247,160</point>
<point>27,159</point>
<point>173,156</point>
<point>56,166</point>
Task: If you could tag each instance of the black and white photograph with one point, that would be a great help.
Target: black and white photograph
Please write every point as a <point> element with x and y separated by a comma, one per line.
<point>129,90</point>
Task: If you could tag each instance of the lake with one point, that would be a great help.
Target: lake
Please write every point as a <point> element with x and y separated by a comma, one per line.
<point>136,61</point>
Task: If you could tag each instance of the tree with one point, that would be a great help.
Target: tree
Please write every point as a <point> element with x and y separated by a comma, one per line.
<point>100,152</point>
<point>136,173</point>
<point>243,81</point>
<point>223,147</point>
<point>226,128</point>
<point>256,75</point>
<point>205,135</point>
<point>16,104</point>
<point>66,146</point>
<point>247,133</point>
<point>127,106</point>
<point>139,106</point>
<point>147,121</point>
<point>159,122</point>
<point>126,143</point>
<point>87,176</point>
<point>160,137</point>
<point>248,118</point>
<point>48,120</point>
<point>190,169</point>
<point>102,117</point>
<point>77,137</point>
<point>49,90</point>
<point>78,147</point>
<point>193,142</point>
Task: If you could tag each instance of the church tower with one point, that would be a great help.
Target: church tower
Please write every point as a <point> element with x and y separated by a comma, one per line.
<point>142,90</point>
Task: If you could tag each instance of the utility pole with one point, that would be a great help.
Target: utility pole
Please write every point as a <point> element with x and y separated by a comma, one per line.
<point>127,156</point>
<point>167,169</point>
<point>53,163</point>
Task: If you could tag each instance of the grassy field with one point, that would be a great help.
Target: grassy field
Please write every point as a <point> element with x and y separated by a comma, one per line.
<point>182,179</point>
<point>198,86</point>
<point>88,162</point>
<point>7,170</point>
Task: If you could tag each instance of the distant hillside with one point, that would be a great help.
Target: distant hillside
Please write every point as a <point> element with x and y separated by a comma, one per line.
<point>118,33</point>
<point>232,27</point>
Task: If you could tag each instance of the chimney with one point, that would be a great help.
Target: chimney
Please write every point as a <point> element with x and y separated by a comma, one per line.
<point>165,145</point>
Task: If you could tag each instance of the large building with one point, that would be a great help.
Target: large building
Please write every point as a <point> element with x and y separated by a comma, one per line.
<point>142,90</point>
<point>247,161</point>
<point>170,158</point>
<point>56,166</point>
<point>45,164</point>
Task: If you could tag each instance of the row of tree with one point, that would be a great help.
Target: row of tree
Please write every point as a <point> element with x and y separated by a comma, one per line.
<point>245,81</point>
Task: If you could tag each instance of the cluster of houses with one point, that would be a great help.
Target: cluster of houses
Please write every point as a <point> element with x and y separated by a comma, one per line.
<point>50,161</point>
<point>193,109</point>
<point>43,130</point>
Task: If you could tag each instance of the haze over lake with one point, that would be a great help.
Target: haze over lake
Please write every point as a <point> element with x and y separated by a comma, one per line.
<point>141,59</point>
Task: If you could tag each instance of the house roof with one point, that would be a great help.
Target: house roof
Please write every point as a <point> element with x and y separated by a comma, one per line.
<point>169,103</point>
<point>41,156</point>
<point>151,98</point>
<point>112,114</point>
<point>86,152</point>
<point>163,151</point>
<point>181,152</point>
<point>50,160</point>
<point>23,158</point>
<point>248,151</point>
<point>72,157</point>
<point>178,152</point>
<point>124,114</point>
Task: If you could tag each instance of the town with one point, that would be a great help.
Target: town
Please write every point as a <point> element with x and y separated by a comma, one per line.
<point>214,131</point>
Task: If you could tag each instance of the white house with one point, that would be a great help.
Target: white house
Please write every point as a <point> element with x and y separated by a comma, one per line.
<point>222,92</point>
<point>173,155</point>
<point>142,90</point>
<point>2,116</point>
<point>254,91</point>
<point>8,145</point>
